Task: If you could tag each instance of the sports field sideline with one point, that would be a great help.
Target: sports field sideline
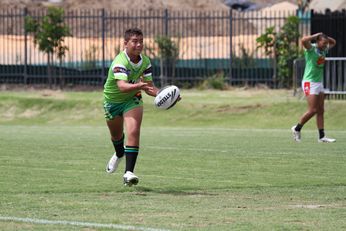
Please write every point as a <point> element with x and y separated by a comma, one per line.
<point>217,161</point>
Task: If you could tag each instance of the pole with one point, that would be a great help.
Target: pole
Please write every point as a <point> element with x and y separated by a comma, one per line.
<point>230,44</point>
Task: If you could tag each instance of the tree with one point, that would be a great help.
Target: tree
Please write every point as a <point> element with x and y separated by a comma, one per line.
<point>49,33</point>
<point>303,5</point>
<point>283,47</point>
<point>168,53</point>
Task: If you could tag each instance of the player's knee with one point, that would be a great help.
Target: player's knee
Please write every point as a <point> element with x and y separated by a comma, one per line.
<point>313,110</point>
<point>134,132</point>
<point>116,135</point>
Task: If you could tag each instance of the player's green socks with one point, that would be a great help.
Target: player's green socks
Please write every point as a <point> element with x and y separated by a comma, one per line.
<point>131,153</point>
<point>119,147</point>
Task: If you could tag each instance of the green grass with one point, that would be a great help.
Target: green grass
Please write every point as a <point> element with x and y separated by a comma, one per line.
<point>217,161</point>
<point>232,109</point>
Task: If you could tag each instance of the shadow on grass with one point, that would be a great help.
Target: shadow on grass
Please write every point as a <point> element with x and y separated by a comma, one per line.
<point>140,190</point>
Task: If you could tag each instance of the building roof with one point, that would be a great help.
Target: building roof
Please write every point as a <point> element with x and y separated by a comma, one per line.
<point>322,5</point>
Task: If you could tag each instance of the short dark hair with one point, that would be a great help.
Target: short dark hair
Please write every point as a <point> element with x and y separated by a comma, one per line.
<point>321,36</point>
<point>131,32</point>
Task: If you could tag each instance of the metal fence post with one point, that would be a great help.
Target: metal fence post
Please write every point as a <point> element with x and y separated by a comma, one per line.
<point>25,71</point>
<point>230,44</point>
<point>164,61</point>
<point>312,19</point>
<point>295,76</point>
<point>103,45</point>
<point>166,22</point>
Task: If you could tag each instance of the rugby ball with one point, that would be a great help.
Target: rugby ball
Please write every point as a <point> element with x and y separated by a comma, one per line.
<point>167,97</point>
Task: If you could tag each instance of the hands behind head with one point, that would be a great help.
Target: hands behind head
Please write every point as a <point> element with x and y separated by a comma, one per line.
<point>318,34</point>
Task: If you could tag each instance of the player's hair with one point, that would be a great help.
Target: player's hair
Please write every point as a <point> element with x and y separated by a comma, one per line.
<point>321,36</point>
<point>131,32</point>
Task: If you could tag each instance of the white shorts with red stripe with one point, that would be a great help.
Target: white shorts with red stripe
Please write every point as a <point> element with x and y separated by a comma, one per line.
<point>312,88</point>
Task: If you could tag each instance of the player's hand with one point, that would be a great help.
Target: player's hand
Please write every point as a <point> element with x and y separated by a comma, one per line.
<point>143,86</point>
<point>151,91</point>
<point>317,34</point>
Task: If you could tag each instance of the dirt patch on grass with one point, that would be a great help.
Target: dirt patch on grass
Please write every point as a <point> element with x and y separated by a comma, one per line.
<point>9,113</point>
<point>315,206</point>
<point>45,88</point>
<point>13,112</point>
<point>56,94</point>
<point>238,109</point>
<point>30,113</point>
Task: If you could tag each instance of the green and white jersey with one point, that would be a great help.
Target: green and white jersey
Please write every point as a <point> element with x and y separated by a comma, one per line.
<point>314,59</point>
<point>123,69</point>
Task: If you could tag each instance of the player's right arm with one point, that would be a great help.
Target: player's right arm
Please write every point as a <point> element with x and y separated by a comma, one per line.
<point>332,42</point>
<point>121,78</point>
<point>306,40</point>
<point>124,86</point>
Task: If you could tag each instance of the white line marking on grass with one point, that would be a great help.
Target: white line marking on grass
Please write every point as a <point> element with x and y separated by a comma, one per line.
<point>187,149</point>
<point>198,129</point>
<point>77,223</point>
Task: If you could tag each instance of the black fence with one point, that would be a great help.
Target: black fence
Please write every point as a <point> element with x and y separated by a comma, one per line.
<point>333,24</point>
<point>221,43</point>
<point>334,80</point>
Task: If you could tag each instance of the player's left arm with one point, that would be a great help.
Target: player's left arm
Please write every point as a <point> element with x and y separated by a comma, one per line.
<point>148,79</point>
<point>153,91</point>
<point>332,42</point>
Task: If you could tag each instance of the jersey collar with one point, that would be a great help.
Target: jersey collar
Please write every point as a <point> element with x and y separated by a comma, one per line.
<point>134,65</point>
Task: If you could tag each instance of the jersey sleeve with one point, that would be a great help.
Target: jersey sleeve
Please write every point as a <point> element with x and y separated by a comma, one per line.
<point>120,71</point>
<point>147,74</point>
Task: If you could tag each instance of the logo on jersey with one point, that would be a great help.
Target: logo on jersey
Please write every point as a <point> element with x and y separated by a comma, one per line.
<point>321,60</point>
<point>307,88</point>
<point>120,70</point>
<point>137,98</point>
<point>132,81</point>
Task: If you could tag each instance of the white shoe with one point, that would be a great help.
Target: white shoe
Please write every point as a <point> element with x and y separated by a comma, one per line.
<point>296,134</point>
<point>326,140</point>
<point>113,163</point>
<point>130,179</point>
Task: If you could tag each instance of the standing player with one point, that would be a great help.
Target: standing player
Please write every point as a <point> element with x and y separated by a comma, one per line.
<point>130,72</point>
<point>312,83</point>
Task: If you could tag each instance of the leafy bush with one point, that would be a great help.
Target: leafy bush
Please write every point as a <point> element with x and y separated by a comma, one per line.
<point>49,33</point>
<point>168,54</point>
<point>216,81</point>
<point>283,47</point>
<point>90,58</point>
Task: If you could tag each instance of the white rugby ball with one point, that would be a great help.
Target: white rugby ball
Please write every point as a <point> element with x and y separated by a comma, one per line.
<point>167,97</point>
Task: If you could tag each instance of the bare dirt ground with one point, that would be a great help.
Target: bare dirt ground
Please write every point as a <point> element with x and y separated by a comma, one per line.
<point>203,5</point>
<point>120,4</point>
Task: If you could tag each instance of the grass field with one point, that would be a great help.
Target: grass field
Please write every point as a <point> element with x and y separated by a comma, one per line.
<point>219,160</point>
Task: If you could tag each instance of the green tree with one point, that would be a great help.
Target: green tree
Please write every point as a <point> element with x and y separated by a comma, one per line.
<point>168,54</point>
<point>283,47</point>
<point>49,33</point>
